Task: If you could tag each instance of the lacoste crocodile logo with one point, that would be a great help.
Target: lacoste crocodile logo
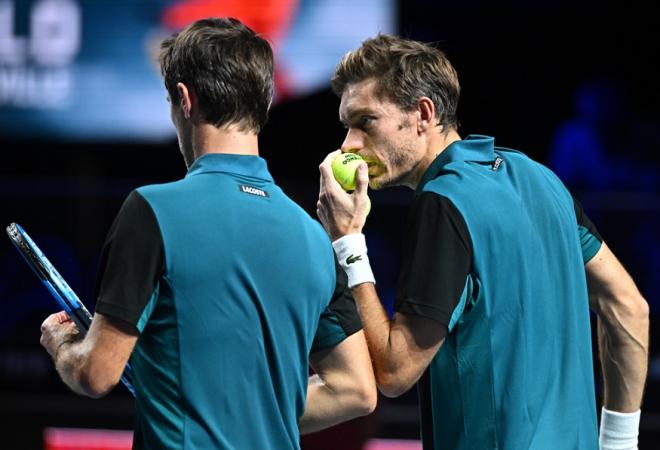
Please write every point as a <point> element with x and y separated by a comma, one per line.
<point>351,259</point>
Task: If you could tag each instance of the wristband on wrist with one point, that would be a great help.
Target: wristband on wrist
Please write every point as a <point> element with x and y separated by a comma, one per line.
<point>618,431</point>
<point>351,253</point>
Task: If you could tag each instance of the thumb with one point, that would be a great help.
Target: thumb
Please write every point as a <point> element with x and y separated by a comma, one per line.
<point>62,317</point>
<point>362,180</point>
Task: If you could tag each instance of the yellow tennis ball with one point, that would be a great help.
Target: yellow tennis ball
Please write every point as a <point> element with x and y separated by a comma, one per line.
<point>344,168</point>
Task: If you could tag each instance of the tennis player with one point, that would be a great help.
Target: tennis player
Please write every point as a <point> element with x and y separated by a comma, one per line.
<point>500,267</point>
<point>218,286</point>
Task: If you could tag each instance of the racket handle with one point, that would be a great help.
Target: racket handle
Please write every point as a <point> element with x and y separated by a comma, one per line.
<point>82,319</point>
<point>127,379</point>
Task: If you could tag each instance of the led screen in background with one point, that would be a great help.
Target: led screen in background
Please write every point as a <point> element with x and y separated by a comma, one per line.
<point>85,69</point>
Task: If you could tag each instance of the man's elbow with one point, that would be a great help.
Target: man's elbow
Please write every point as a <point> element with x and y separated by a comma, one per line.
<point>366,399</point>
<point>97,382</point>
<point>391,385</point>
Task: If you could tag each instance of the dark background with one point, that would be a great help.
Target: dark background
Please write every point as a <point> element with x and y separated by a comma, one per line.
<point>521,69</point>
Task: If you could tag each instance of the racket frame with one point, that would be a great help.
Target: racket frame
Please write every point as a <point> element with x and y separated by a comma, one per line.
<point>59,289</point>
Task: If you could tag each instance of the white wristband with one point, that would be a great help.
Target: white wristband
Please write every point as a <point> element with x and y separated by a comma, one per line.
<point>351,253</point>
<point>618,431</point>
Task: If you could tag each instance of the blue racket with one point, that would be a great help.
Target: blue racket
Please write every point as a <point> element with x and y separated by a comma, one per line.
<point>67,299</point>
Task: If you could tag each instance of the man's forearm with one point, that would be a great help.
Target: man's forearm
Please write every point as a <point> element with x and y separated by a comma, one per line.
<point>623,338</point>
<point>326,407</point>
<point>623,330</point>
<point>396,358</point>
<point>375,321</point>
<point>69,361</point>
<point>377,326</point>
<point>400,348</point>
<point>623,345</point>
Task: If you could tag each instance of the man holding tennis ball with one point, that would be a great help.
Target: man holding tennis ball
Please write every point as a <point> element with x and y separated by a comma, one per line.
<point>344,168</point>
<point>500,267</point>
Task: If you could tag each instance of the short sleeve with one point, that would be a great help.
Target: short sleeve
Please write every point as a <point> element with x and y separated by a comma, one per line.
<point>340,318</point>
<point>590,238</point>
<point>132,262</point>
<point>437,259</point>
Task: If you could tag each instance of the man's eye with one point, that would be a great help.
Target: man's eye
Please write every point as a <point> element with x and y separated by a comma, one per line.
<point>365,121</point>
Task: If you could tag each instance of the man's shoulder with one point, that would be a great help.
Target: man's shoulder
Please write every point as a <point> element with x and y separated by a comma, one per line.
<point>185,192</point>
<point>173,192</point>
<point>532,168</point>
<point>150,190</point>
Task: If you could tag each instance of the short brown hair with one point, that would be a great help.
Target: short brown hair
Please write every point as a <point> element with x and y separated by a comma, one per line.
<point>404,70</point>
<point>229,68</point>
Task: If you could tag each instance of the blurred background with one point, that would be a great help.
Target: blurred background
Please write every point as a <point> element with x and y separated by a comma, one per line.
<point>84,120</point>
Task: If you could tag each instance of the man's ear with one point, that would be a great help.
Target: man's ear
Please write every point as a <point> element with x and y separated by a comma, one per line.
<point>425,114</point>
<point>186,98</point>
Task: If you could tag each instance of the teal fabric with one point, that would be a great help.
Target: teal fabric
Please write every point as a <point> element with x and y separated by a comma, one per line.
<point>148,310</point>
<point>329,332</point>
<point>458,311</point>
<point>590,244</point>
<point>515,372</point>
<point>223,359</point>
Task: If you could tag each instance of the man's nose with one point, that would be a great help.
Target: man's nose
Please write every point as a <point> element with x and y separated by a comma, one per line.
<point>353,142</point>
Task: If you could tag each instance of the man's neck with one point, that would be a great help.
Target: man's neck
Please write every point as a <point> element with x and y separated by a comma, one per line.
<point>437,144</point>
<point>231,140</point>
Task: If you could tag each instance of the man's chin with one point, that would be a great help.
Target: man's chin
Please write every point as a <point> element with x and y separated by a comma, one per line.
<point>381,182</point>
<point>377,183</point>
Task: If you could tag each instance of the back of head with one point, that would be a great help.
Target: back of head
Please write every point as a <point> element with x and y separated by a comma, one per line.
<point>227,66</point>
<point>405,70</point>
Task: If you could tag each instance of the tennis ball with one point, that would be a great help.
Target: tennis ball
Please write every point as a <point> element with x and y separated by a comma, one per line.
<point>344,168</point>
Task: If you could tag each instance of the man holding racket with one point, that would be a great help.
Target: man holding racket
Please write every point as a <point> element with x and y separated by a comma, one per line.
<point>218,286</point>
<point>500,267</point>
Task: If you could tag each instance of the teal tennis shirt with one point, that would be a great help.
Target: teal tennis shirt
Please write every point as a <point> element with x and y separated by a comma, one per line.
<point>230,286</point>
<point>495,251</point>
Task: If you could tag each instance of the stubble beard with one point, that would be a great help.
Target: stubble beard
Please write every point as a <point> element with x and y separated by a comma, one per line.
<point>401,162</point>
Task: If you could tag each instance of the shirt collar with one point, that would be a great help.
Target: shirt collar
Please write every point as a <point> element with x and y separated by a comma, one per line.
<point>474,147</point>
<point>246,165</point>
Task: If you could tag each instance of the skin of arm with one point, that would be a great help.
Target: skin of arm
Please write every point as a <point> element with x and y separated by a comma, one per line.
<point>343,386</point>
<point>400,348</point>
<point>623,331</point>
<point>91,366</point>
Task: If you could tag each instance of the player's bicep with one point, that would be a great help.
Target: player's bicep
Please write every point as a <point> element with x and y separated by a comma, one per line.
<point>608,282</point>
<point>349,358</point>
<point>347,374</point>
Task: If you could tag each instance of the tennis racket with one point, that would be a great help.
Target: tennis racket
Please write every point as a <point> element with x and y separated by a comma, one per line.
<point>66,298</point>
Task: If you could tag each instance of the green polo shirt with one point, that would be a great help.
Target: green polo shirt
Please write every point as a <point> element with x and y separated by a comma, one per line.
<point>230,286</point>
<point>495,252</point>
